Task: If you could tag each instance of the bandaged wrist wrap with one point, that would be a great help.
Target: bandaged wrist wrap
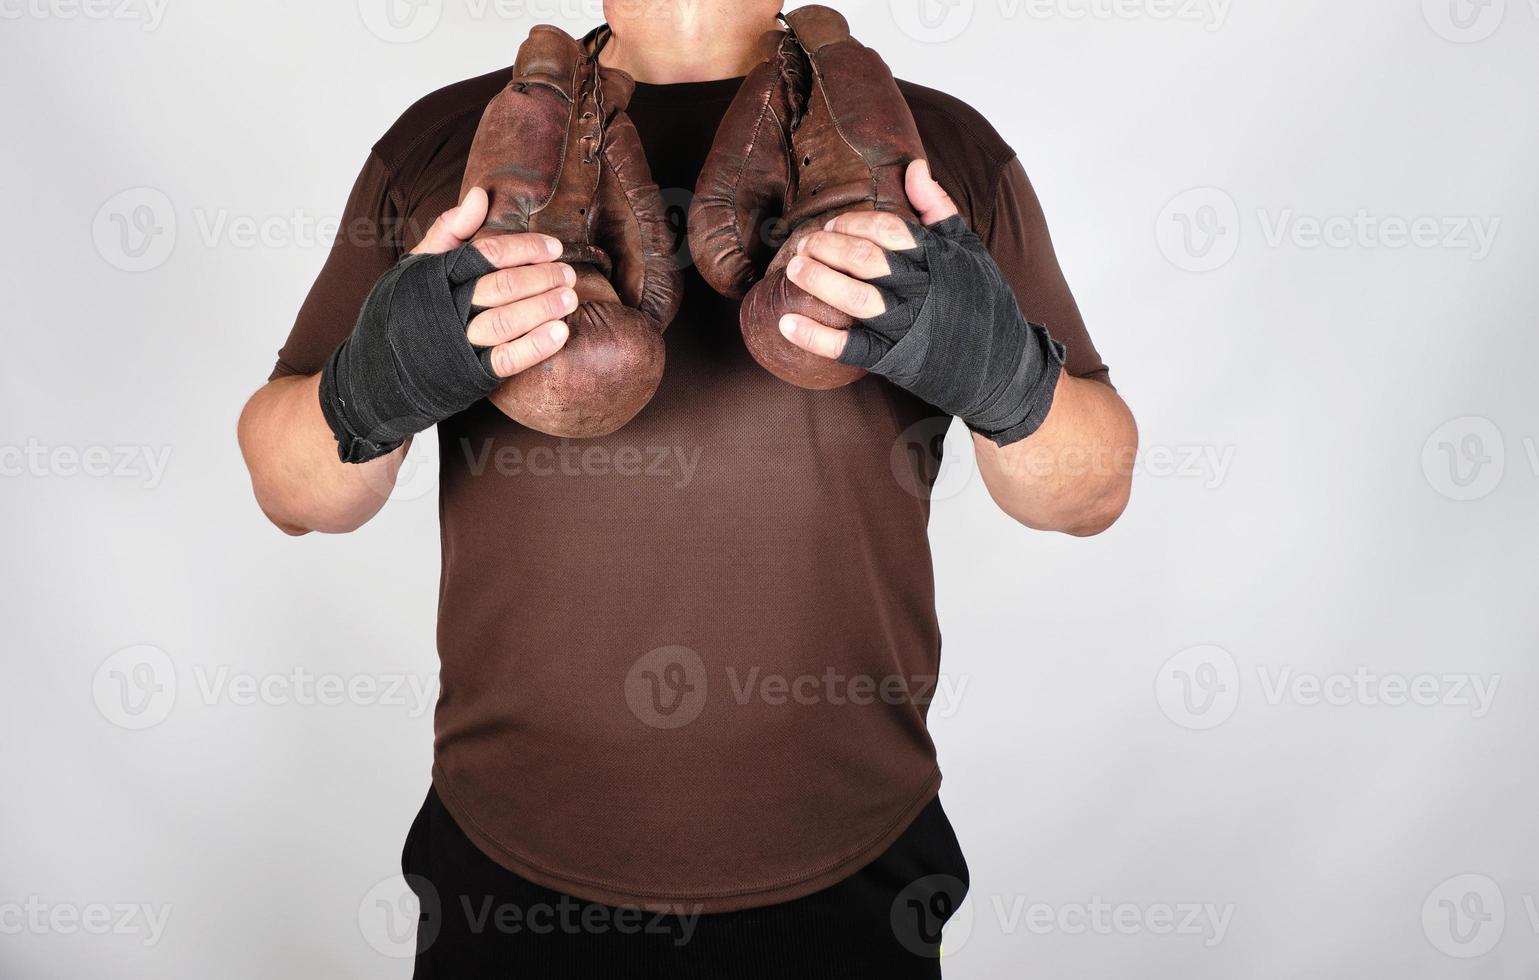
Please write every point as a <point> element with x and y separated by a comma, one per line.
<point>407,364</point>
<point>954,336</point>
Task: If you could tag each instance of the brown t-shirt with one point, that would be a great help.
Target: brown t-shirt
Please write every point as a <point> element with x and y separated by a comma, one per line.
<point>688,663</point>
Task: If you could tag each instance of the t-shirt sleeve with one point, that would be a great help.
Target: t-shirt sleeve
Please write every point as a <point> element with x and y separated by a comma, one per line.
<point>367,245</point>
<point>1015,231</point>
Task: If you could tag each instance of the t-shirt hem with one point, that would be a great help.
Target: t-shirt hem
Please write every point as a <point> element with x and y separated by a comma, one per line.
<point>622,896</point>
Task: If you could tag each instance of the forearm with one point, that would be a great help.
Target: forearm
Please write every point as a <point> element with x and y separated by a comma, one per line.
<point>1075,473</point>
<point>292,456</point>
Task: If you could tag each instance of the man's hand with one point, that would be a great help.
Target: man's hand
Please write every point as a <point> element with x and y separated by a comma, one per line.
<point>523,302</point>
<point>442,329</point>
<point>291,448</point>
<point>936,318</point>
<point>837,263</point>
<point>934,314</point>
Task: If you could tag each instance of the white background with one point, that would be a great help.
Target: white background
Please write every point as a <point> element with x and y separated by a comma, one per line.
<point>1340,471</point>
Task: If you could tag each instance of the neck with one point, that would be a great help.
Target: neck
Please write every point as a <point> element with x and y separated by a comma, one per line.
<point>666,43</point>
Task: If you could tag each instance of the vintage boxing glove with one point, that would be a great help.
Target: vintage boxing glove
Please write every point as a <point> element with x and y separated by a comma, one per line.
<point>818,129</point>
<point>557,154</point>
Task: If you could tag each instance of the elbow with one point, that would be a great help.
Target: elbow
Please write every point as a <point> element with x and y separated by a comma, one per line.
<point>1105,512</point>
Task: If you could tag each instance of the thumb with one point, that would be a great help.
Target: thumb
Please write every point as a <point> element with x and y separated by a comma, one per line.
<point>455,226</point>
<point>930,200</point>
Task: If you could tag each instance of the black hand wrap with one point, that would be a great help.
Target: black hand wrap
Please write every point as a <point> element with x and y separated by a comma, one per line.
<point>408,364</point>
<point>954,336</point>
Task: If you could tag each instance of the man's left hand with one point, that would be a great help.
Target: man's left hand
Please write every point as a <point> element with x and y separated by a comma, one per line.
<point>934,313</point>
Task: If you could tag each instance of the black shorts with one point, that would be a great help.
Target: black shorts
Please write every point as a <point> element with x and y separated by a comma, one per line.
<point>481,920</point>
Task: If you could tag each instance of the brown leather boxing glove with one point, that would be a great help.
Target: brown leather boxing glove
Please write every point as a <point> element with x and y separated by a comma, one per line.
<point>557,155</point>
<point>818,129</point>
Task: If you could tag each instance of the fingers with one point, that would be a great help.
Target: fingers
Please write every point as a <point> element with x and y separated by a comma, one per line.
<point>521,283</point>
<point>884,229</point>
<point>514,320</point>
<point>858,257</point>
<point>812,336</point>
<point>529,248</point>
<point>455,226</point>
<point>845,294</point>
<point>530,349</point>
<point>930,200</point>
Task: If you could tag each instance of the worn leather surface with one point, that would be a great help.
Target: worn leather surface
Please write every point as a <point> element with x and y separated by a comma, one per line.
<point>819,129</point>
<point>557,154</point>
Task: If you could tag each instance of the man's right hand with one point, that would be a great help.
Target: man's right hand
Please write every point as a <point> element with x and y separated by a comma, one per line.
<point>442,329</point>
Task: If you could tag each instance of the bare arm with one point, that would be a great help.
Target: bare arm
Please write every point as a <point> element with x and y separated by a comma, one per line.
<point>1075,473</point>
<point>292,456</point>
<point>291,452</point>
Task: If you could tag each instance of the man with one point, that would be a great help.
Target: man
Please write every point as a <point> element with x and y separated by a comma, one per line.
<point>682,722</point>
